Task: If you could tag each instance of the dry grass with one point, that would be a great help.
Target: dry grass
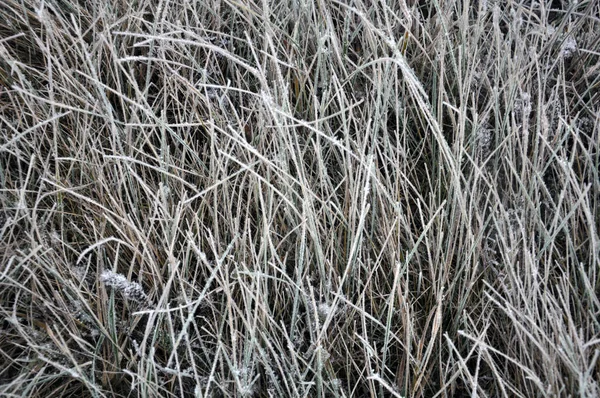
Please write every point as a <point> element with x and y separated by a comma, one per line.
<point>299,198</point>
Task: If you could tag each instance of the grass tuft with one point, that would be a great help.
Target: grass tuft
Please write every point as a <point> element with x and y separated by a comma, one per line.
<point>299,198</point>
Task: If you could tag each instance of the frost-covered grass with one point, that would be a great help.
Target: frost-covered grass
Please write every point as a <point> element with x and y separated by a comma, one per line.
<point>299,198</point>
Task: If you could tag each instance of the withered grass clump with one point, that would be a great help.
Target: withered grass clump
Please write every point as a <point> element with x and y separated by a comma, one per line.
<point>299,198</point>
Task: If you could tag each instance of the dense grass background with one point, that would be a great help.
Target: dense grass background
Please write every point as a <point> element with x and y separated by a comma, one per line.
<point>237,198</point>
